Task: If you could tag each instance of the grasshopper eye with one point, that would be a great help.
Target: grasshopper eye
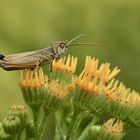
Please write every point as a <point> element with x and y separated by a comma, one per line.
<point>62,45</point>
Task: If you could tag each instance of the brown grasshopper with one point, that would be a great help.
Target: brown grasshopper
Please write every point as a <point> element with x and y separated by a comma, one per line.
<point>37,58</point>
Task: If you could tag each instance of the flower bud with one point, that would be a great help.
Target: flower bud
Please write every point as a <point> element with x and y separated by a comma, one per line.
<point>111,130</point>
<point>11,124</point>
<point>20,111</point>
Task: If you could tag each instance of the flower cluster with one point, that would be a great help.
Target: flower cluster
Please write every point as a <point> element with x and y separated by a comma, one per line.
<point>93,84</point>
<point>79,103</point>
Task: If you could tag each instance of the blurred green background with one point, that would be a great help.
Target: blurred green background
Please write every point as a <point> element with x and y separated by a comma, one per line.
<point>32,24</point>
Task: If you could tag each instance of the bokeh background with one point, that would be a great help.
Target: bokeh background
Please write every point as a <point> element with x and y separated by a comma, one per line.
<point>32,24</point>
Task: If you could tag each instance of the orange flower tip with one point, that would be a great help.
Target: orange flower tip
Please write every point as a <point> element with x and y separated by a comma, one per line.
<point>121,94</point>
<point>102,73</point>
<point>65,65</point>
<point>87,85</point>
<point>30,78</point>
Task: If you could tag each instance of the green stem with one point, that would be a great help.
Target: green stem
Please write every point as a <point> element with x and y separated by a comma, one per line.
<point>36,112</point>
<point>35,124</point>
<point>74,119</point>
<point>84,134</point>
<point>19,135</point>
<point>13,137</point>
<point>59,133</point>
<point>43,124</point>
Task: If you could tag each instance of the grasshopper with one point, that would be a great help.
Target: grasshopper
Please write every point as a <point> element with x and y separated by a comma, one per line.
<point>38,58</point>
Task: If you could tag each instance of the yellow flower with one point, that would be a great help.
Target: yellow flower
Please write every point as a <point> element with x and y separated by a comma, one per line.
<point>57,89</point>
<point>118,92</point>
<point>65,65</point>
<point>85,83</point>
<point>127,96</point>
<point>103,72</point>
<point>93,78</point>
<point>30,78</point>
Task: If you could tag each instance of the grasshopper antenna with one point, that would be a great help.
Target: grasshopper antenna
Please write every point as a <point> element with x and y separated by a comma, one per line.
<point>85,44</point>
<point>75,38</point>
<point>81,44</point>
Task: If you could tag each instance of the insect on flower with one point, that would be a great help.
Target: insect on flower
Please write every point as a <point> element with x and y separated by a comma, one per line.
<point>38,58</point>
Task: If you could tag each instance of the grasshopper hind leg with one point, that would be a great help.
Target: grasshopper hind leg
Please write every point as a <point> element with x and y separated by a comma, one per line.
<point>7,67</point>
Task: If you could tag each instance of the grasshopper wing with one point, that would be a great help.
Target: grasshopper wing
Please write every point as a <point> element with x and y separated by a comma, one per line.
<point>29,61</point>
<point>17,56</point>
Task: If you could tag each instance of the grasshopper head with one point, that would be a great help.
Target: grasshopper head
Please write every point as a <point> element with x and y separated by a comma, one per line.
<point>61,48</point>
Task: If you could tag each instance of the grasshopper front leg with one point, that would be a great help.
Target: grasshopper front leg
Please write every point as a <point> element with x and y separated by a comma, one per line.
<point>40,60</point>
<point>53,49</point>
